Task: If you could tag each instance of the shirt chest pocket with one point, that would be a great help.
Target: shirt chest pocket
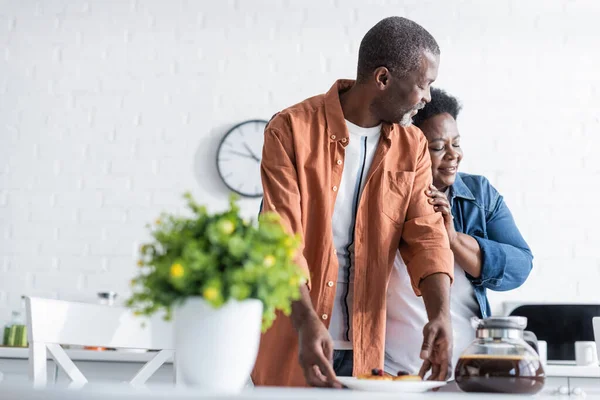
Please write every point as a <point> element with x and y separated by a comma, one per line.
<point>396,192</point>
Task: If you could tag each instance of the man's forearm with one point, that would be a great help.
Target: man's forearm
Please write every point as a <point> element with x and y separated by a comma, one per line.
<point>435,290</point>
<point>302,309</point>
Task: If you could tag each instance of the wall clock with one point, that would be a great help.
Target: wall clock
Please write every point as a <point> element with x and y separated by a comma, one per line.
<point>239,155</point>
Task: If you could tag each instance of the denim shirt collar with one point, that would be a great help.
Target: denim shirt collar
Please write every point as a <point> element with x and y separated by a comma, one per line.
<point>459,189</point>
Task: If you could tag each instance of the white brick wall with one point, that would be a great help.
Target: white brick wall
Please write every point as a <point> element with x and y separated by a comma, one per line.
<point>109,110</point>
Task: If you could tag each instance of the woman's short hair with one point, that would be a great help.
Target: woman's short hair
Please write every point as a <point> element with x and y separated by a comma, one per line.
<point>441,102</point>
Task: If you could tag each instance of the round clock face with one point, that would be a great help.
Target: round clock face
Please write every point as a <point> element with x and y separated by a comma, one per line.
<point>238,158</point>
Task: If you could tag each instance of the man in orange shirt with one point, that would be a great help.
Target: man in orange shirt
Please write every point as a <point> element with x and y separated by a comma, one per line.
<point>349,172</point>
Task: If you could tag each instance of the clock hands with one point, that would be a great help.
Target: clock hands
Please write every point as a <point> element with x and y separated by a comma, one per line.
<point>240,143</point>
<point>243,155</point>
<point>251,152</point>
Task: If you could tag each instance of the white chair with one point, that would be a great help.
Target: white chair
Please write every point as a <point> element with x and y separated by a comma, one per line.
<point>51,323</point>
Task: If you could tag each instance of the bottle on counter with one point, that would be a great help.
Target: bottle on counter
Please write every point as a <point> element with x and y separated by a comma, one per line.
<point>15,332</point>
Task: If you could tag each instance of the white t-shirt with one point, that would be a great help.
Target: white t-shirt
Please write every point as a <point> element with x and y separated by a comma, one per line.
<point>406,317</point>
<point>357,161</point>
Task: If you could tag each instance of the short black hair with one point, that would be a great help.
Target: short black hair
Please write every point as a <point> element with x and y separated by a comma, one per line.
<point>441,102</point>
<point>395,43</point>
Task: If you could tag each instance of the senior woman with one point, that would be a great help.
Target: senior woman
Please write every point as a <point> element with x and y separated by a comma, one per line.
<point>489,252</point>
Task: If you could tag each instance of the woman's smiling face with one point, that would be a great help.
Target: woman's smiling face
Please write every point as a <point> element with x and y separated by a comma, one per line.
<point>442,134</point>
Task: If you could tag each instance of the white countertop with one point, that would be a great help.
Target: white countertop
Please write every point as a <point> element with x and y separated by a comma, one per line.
<point>573,371</point>
<point>85,355</point>
<point>123,392</point>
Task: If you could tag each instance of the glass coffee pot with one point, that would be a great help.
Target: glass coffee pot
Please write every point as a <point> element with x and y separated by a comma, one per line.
<point>499,360</point>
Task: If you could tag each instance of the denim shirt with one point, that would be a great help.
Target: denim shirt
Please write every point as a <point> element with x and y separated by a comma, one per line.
<point>480,212</point>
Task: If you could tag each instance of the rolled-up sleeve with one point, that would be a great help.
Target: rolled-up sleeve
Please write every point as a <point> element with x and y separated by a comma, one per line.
<point>506,259</point>
<point>281,193</point>
<point>424,244</point>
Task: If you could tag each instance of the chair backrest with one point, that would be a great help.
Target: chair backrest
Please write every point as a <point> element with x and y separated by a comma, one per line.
<point>51,323</point>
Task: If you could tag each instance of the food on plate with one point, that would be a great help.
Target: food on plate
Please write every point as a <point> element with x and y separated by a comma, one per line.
<point>378,375</point>
<point>407,377</point>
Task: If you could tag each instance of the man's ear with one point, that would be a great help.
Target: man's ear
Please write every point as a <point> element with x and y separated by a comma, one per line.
<point>382,77</point>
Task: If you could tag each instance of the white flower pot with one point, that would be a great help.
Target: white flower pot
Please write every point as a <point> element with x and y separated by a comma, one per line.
<point>215,349</point>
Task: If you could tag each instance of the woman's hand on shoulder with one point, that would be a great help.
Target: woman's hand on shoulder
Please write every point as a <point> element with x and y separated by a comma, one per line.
<point>442,205</point>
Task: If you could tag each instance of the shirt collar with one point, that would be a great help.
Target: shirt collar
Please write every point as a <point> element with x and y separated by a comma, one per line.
<point>459,189</point>
<point>336,123</point>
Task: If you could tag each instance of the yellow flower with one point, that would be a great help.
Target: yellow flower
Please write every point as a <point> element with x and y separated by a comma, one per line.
<point>294,281</point>
<point>132,282</point>
<point>158,221</point>
<point>177,270</point>
<point>269,261</point>
<point>226,227</point>
<point>210,293</point>
<point>140,263</point>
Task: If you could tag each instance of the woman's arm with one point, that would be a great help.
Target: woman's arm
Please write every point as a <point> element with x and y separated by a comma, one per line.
<point>506,257</point>
<point>500,262</point>
<point>467,254</point>
<point>466,250</point>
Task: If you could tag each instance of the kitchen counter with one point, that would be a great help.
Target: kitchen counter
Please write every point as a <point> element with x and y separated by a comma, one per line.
<point>122,392</point>
<point>573,371</point>
<point>118,366</point>
<point>86,355</point>
<point>552,370</point>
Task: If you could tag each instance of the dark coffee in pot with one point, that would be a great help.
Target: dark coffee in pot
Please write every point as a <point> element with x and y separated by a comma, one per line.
<point>499,374</point>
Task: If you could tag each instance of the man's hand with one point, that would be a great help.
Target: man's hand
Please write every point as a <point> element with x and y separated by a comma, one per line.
<point>316,353</point>
<point>442,205</point>
<point>436,351</point>
<point>315,344</point>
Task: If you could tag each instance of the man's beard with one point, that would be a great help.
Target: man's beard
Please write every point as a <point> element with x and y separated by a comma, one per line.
<point>407,118</point>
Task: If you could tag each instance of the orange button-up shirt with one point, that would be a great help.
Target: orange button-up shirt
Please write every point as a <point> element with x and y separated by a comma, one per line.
<point>300,175</point>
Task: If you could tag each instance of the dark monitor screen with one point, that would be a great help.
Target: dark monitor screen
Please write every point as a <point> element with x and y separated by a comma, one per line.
<point>560,325</point>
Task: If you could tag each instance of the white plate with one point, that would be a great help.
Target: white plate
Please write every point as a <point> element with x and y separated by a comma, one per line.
<point>370,385</point>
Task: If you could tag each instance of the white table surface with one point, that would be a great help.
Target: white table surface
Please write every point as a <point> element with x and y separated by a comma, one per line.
<point>573,371</point>
<point>85,355</point>
<point>130,356</point>
<point>125,392</point>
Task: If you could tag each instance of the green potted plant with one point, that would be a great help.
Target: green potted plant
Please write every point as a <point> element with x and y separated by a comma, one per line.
<point>222,279</point>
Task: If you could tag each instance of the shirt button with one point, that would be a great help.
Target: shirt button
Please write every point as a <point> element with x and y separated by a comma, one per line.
<point>330,283</point>
<point>339,162</point>
<point>324,316</point>
<point>333,137</point>
<point>344,140</point>
<point>334,188</point>
<point>334,251</point>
